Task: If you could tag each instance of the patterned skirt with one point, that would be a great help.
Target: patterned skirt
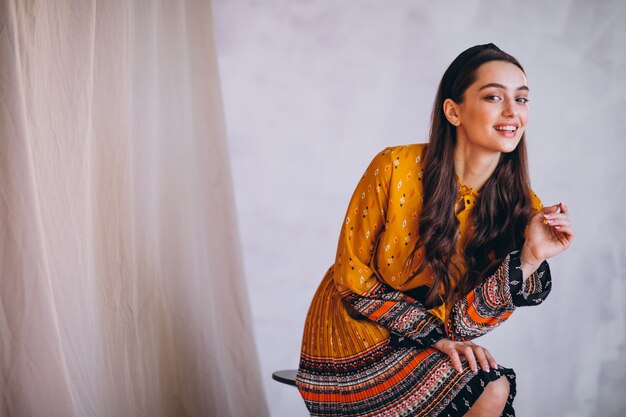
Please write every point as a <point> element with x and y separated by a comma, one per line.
<point>349,367</point>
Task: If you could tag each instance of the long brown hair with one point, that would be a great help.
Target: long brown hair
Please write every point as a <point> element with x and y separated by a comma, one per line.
<point>502,211</point>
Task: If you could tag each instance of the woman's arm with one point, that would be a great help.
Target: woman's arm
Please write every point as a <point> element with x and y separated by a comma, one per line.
<point>522,279</point>
<point>492,302</point>
<point>406,319</point>
<point>355,277</point>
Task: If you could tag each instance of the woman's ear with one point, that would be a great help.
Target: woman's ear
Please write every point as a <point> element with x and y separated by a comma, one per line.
<point>451,111</point>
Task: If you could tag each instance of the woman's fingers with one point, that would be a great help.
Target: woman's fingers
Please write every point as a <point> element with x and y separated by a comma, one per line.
<point>481,357</point>
<point>566,230</point>
<point>554,216</point>
<point>468,352</point>
<point>564,234</point>
<point>556,208</point>
<point>557,219</point>
<point>456,360</point>
<point>474,355</point>
<point>561,226</point>
<point>562,221</point>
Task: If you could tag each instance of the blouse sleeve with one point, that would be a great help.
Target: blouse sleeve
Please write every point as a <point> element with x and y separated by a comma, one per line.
<point>492,302</point>
<point>355,275</point>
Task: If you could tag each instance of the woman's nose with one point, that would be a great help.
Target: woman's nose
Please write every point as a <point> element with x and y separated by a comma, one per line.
<point>509,109</point>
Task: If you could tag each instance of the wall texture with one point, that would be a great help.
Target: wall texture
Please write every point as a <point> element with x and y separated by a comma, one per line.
<point>313,89</point>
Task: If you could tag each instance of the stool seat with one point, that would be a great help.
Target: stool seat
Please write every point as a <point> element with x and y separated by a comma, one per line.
<point>286,376</point>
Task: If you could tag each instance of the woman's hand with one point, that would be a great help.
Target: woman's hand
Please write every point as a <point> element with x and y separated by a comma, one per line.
<point>549,233</point>
<point>473,353</point>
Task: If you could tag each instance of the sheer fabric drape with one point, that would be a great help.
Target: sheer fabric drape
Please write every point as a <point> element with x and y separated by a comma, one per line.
<point>121,284</point>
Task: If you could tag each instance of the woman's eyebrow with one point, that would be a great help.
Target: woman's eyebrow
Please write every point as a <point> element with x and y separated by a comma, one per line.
<point>496,85</point>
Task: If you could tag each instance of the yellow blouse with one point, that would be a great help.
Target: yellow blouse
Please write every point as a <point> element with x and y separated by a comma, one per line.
<point>379,230</point>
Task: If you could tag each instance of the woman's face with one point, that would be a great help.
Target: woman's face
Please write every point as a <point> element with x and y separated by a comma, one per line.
<point>494,110</point>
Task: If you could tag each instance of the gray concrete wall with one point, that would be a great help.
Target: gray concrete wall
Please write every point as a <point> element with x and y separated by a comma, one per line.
<point>313,89</point>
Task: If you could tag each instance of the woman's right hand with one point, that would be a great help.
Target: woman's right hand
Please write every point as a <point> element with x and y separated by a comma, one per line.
<point>473,353</point>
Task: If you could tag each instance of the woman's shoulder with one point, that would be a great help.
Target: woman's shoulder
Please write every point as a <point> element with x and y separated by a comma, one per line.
<point>410,148</point>
<point>398,164</point>
<point>413,152</point>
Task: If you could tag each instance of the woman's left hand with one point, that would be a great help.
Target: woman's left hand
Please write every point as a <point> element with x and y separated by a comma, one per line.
<point>549,233</point>
<point>474,354</point>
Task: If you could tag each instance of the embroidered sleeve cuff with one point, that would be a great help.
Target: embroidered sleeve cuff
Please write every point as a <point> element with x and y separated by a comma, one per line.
<point>429,332</point>
<point>536,287</point>
<point>406,319</point>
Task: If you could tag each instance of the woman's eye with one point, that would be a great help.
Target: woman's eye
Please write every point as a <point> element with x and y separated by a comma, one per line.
<point>495,99</point>
<point>522,100</point>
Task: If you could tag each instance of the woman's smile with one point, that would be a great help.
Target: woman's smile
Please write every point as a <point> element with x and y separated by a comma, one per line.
<point>507,130</point>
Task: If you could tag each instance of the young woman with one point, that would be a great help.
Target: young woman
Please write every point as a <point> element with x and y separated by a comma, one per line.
<point>440,243</point>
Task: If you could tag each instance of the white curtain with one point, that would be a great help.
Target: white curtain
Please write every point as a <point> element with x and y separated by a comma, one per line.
<point>121,283</point>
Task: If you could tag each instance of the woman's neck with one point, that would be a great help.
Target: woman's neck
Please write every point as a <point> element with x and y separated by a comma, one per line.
<point>474,166</point>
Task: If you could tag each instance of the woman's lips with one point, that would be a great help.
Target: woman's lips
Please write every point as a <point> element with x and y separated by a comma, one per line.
<point>506,130</point>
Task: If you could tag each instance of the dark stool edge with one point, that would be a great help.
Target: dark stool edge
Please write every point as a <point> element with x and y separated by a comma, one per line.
<point>285,376</point>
